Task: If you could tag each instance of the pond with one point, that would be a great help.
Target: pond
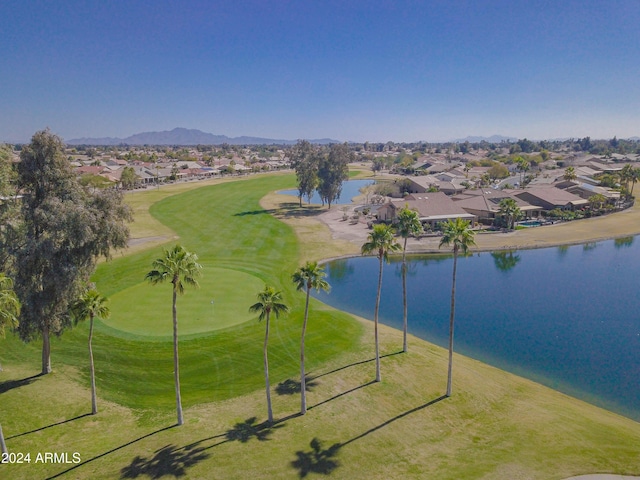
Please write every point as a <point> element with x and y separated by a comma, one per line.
<point>567,317</point>
<point>350,189</point>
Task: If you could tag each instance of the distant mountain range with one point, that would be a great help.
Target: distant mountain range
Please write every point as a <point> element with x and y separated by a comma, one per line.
<point>185,136</point>
<point>491,139</point>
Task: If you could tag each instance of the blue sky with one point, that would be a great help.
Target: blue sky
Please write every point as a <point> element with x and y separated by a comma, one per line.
<point>349,70</point>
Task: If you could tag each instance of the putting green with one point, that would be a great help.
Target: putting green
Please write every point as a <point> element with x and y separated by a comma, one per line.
<point>145,309</point>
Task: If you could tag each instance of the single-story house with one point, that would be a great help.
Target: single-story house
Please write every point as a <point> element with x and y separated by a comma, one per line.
<point>432,208</point>
<point>485,204</point>
<point>550,198</point>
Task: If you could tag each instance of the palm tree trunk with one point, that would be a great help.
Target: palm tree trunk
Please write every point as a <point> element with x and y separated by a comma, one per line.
<point>266,372</point>
<point>94,400</point>
<point>451,318</point>
<point>375,322</point>
<point>46,350</point>
<point>3,446</point>
<point>303,380</point>
<point>176,363</point>
<point>404,297</point>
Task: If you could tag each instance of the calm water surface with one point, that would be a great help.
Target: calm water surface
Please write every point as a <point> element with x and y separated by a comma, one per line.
<point>567,317</point>
<point>350,189</point>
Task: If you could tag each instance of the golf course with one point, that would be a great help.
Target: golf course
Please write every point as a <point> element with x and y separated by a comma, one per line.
<point>495,425</point>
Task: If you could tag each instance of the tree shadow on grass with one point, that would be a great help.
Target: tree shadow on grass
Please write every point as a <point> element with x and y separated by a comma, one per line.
<point>169,460</point>
<point>11,384</point>
<point>245,431</point>
<point>49,426</point>
<point>291,387</point>
<point>346,392</point>
<point>391,420</point>
<point>361,362</point>
<point>254,212</point>
<point>108,452</point>
<point>316,460</point>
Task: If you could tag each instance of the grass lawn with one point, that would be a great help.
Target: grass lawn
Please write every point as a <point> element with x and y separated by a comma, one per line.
<point>496,425</point>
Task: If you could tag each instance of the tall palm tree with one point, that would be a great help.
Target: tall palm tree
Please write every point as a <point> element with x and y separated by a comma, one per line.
<point>269,301</point>
<point>305,278</point>
<point>408,226</point>
<point>181,268</point>
<point>459,234</point>
<point>91,305</point>
<point>380,241</point>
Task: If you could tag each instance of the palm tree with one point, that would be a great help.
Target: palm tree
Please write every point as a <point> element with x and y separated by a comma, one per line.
<point>509,209</point>
<point>91,305</point>
<point>408,226</point>
<point>269,300</point>
<point>181,268</point>
<point>305,278</point>
<point>381,241</point>
<point>459,234</point>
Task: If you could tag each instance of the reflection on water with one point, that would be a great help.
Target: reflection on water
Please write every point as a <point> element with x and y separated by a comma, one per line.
<point>570,324</point>
<point>505,261</point>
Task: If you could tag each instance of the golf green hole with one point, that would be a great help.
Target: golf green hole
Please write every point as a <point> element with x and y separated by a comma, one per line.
<point>145,309</point>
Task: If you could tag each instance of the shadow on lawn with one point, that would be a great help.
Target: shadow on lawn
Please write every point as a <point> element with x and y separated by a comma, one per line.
<point>323,461</point>
<point>291,387</point>
<point>316,460</point>
<point>49,426</point>
<point>11,384</point>
<point>169,460</point>
<point>361,362</point>
<point>108,452</point>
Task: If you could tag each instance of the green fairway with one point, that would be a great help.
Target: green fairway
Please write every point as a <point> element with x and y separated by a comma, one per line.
<point>146,310</point>
<point>495,426</point>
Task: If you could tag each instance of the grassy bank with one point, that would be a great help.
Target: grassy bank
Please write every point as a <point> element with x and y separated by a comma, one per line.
<point>496,425</point>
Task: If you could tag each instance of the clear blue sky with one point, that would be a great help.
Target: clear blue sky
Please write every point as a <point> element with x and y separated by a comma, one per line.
<point>349,70</point>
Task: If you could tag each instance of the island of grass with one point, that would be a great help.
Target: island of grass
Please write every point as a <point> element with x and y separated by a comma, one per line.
<point>496,425</point>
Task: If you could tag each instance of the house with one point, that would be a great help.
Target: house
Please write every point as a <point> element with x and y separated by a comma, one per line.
<point>432,208</point>
<point>550,198</point>
<point>485,204</point>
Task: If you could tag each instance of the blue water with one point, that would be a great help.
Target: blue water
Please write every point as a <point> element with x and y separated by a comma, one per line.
<point>567,317</point>
<point>350,189</point>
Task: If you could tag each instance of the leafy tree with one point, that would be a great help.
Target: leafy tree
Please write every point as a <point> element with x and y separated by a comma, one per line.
<point>90,305</point>
<point>9,305</point>
<point>332,171</point>
<point>380,241</point>
<point>128,178</point>
<point>304,160</point>
<point>570,174</point>
<point>61,231</point>
<point>306,278</point>
<point>458,234</point>
<point>181,268</point>
<point>408,226</point>
<point>509,209</point>
<point>377,164</point>
<point>269,300</point>
<point>498,171</point>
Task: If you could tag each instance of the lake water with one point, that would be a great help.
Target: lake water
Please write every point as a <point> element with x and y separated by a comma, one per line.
<point>567,317</point>
<point>350,189</point>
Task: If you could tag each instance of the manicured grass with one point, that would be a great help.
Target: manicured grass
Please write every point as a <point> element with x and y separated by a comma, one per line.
<point>495,426</point>
<point>145,311</point>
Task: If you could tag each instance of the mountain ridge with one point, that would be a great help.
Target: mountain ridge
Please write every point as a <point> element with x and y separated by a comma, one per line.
<point>185,136</point>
